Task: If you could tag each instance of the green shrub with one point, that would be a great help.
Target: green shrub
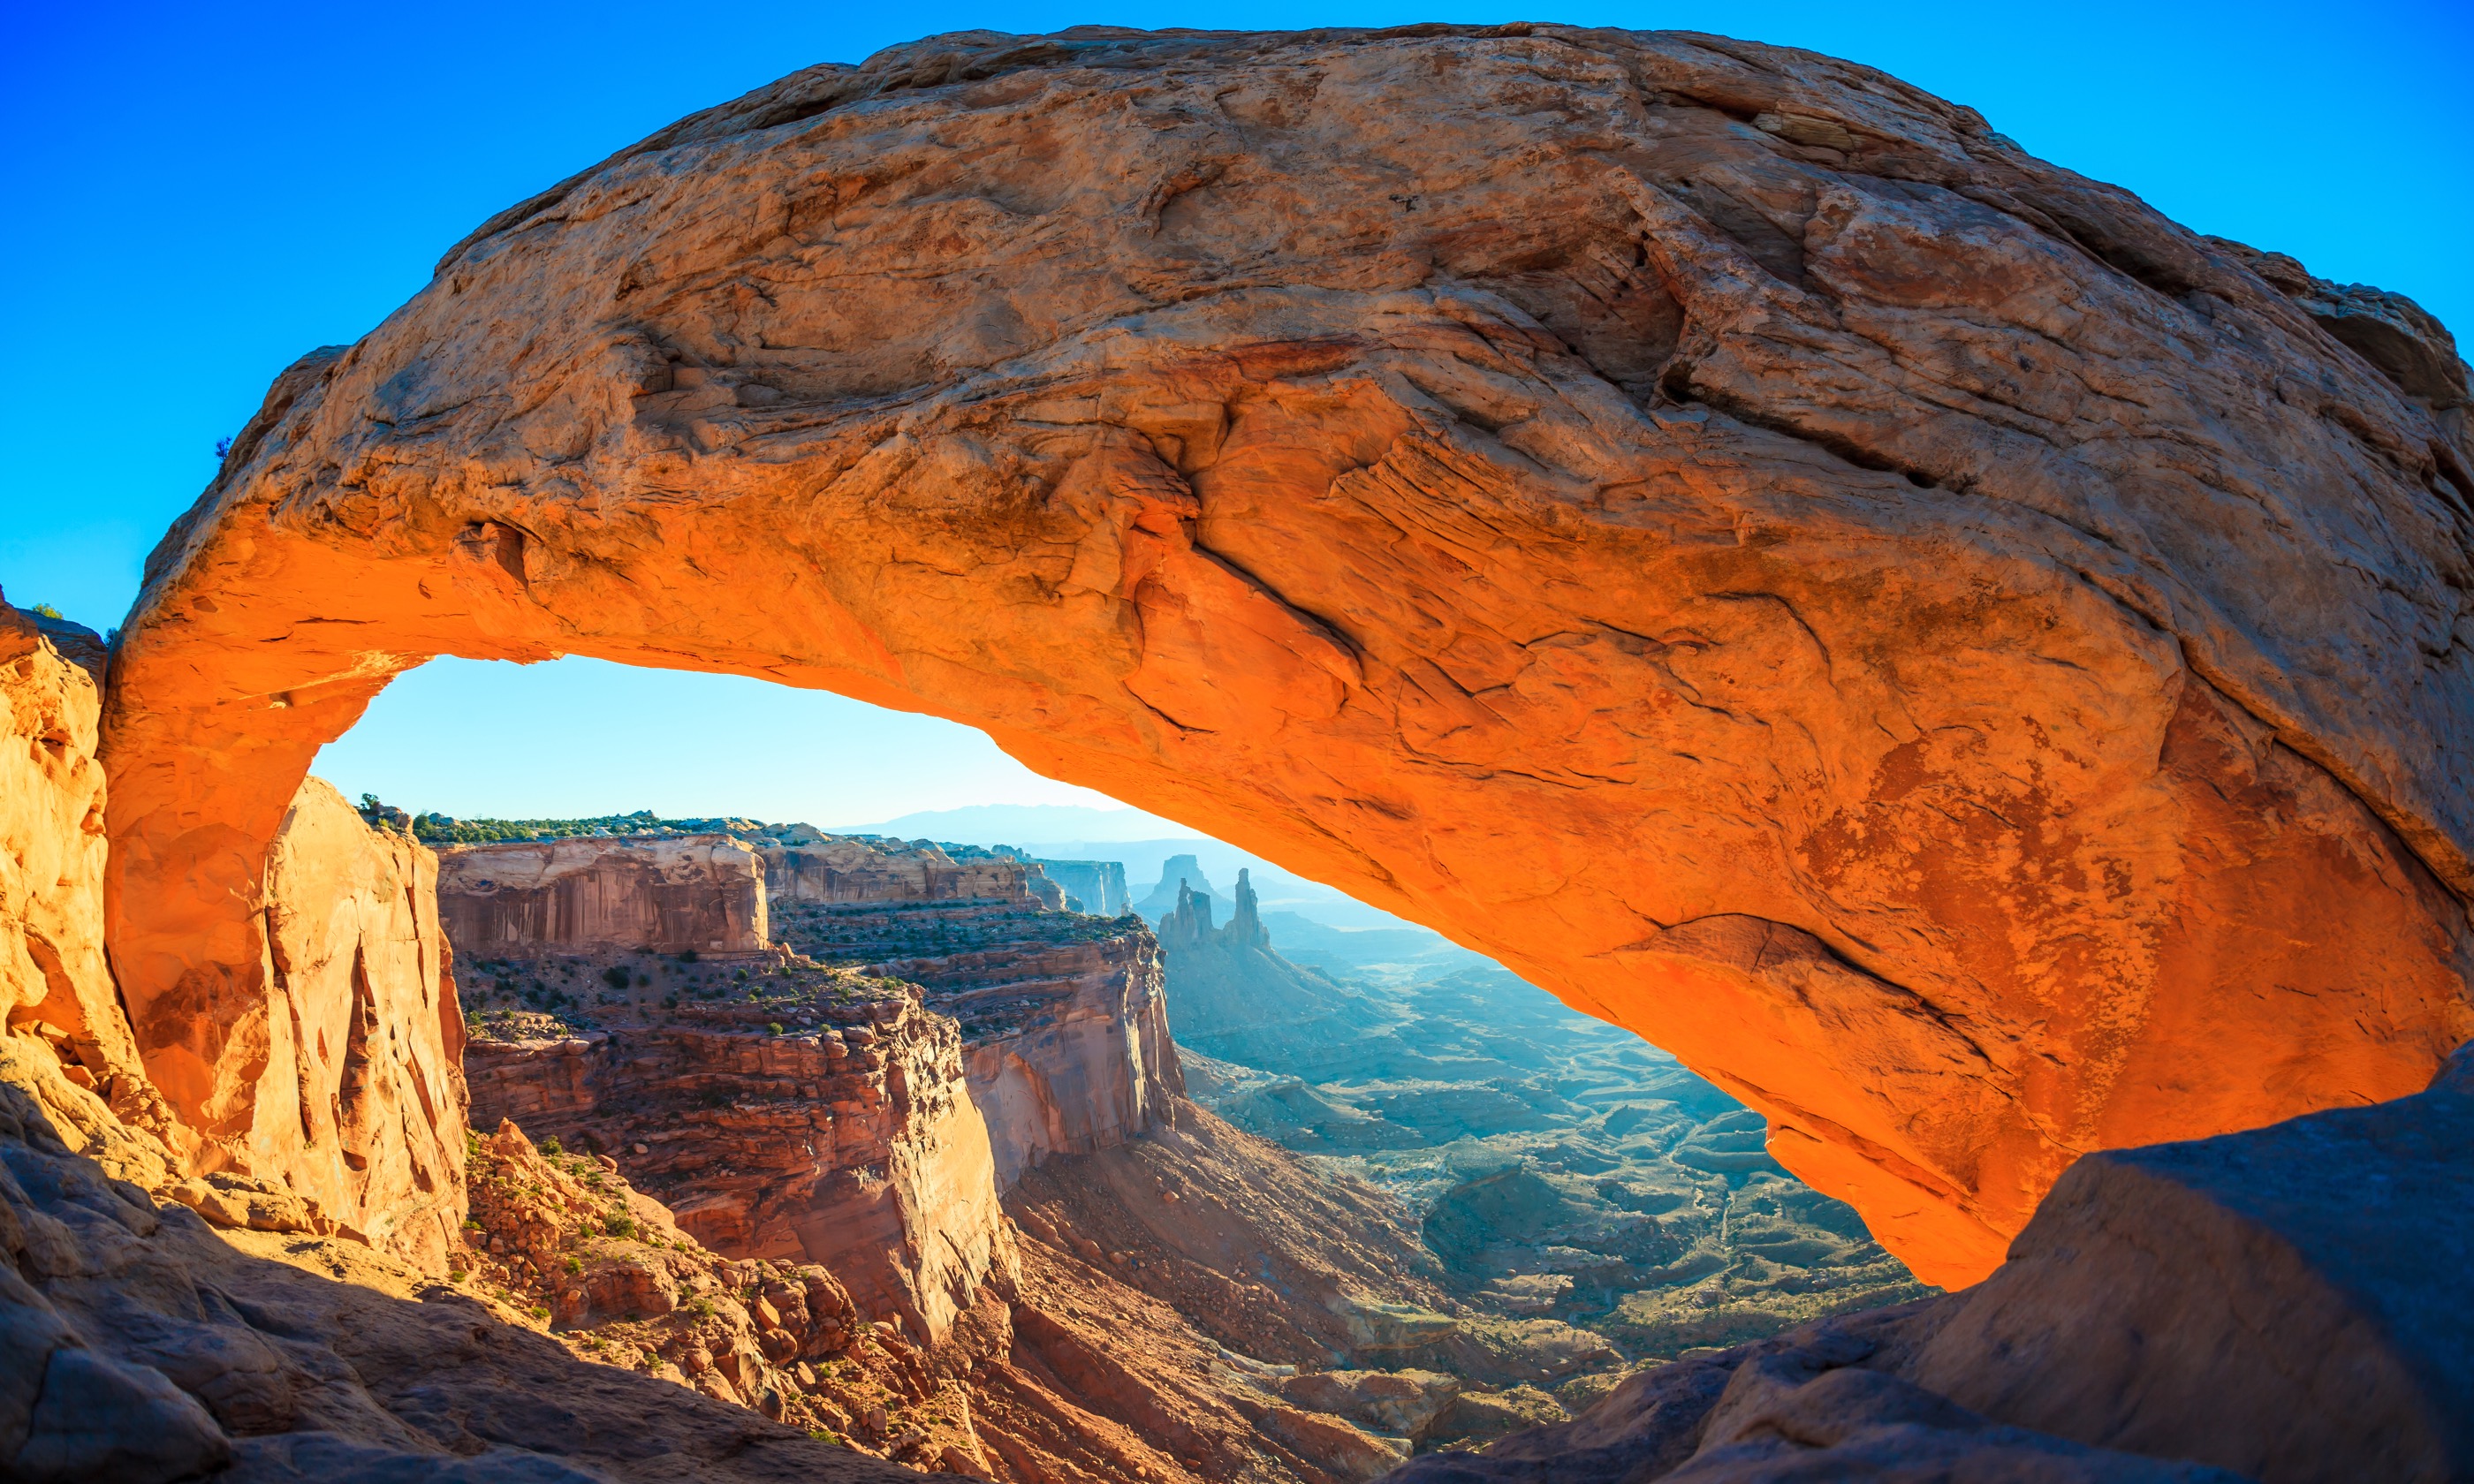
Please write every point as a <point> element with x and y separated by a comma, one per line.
<point>702,1308</point>
<point>617,976</point>
<point>621,1226</point>
<point>551,1146</point>
<point>574,1263</point>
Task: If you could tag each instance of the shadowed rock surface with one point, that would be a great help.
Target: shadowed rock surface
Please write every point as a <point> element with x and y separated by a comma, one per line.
<point>1971,666</point>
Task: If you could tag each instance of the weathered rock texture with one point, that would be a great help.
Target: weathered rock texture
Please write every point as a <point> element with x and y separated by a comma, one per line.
<point>54,982</point>
<point>357,1104</point>
<point>702,894</point>
<point>1065,1023</point>
<point>853,1144</point>
<point>1968,664</point>
<point>803,863</point>
<point>143,1347</point>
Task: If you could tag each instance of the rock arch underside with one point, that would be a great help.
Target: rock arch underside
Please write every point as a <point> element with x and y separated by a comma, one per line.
<point>1969,665</point>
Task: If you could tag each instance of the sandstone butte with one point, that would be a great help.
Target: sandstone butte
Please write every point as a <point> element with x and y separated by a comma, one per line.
<point>1971,666</point>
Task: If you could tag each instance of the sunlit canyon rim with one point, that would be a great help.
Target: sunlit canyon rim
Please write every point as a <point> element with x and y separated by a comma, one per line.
<point>1968,665</point>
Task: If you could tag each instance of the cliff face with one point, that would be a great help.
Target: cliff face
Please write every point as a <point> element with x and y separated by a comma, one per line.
<point>1094,886</point>
<point>693,893</point>
<point>1067,1042</point>
<point>359,1106</point>
<point>1907,629</point>
<point>804,865</point>
<point>1062,1015</point>
<point>852,1143</point>
<point>54,982</point>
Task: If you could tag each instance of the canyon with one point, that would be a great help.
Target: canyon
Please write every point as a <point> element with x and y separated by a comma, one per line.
<point>1963,663</point>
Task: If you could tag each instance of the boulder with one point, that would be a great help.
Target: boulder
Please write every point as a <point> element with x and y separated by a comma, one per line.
<point>1968,664</point>
<point>2290,1302</point>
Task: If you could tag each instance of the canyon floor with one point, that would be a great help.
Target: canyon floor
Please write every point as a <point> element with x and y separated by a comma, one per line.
<point>1558,1167</point>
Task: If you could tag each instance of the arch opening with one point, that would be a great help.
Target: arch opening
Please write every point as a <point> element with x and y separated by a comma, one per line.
<point>1565,565</point>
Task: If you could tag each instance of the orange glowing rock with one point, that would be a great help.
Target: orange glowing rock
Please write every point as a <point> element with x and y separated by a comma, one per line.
<point>1966,663</point>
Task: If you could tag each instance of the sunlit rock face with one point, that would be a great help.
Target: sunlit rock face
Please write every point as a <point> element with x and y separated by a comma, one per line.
<point>697,894</point>
<point>853,1143</point>
<point>1966,663</point>
<point>339,1076</point>
<point>54,982</point>
<point>361,1102</point>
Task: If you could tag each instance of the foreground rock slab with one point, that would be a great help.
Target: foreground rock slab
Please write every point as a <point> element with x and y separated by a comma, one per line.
<point>1969,665</point>
<point>2290,1302</point>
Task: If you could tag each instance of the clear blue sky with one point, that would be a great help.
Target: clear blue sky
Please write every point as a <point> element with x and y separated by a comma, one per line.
<point>198,194</point>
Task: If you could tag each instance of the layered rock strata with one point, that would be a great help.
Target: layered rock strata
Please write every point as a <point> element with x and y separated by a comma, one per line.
<point>825,1122</point>
<point>693,893</point>
<point>803,863</point>
<point>1063,1016</point>
<point>1721,531</point>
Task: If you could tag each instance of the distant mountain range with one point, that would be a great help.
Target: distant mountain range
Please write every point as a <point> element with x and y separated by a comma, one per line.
<point>1013,824</point>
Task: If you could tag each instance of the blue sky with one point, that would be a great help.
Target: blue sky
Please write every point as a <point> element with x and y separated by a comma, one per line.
<point>197,194</point>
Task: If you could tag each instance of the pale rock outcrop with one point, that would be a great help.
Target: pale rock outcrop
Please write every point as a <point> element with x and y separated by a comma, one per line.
<point>702,894</point>
<point>1098,886</point>
<point>1971,666</point>
<point>1091,1070</point>
<point>54,982</point>
<point>358,1104</point>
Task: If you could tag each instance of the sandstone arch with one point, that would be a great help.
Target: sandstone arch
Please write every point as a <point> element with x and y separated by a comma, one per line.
<point>1968,664</point>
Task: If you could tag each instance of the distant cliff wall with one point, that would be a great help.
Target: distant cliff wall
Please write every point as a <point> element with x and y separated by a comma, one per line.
<point>805,864</point>
<point>1099,885</point>
<point>704,893</point>
<point>1066,1042</point>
